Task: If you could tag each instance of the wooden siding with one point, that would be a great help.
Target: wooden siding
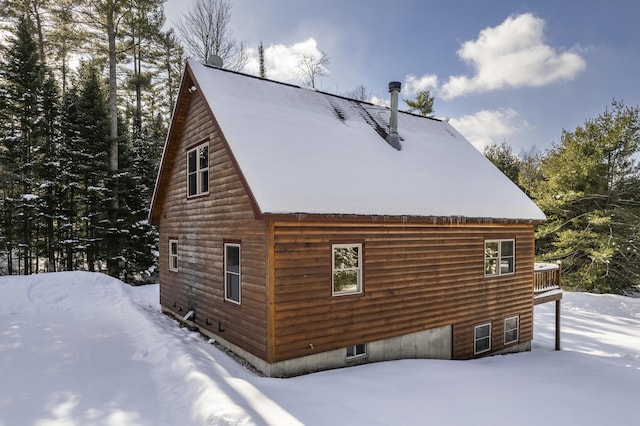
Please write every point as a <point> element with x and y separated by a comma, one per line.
<point>201,225</point>
<point>415,277</point>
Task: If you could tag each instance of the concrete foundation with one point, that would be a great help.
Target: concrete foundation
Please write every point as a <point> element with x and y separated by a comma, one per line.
<point>435,343</point>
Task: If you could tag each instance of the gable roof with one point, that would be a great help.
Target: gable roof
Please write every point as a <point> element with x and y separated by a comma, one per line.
<point>306,152</point>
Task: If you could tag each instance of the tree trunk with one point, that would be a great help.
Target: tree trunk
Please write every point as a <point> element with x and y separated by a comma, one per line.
<point>112,265</point>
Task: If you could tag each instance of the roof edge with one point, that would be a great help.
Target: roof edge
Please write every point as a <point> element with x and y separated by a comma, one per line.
<point>430,220</point>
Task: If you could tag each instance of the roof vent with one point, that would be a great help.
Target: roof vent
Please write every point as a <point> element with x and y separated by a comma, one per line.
<point>392,138</point>
<point>214,61</point>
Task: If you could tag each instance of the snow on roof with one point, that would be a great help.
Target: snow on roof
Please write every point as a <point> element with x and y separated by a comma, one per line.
<point>304,151</point>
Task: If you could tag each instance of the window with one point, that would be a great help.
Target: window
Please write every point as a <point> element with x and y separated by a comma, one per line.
<point>511,329</point>
<point>232,272</point>
<point>198,170</point>
<point>356,351</point>
<point>173,255</point>
<point>482,338</point>
<point>347,269</point>
<point>499,257</point>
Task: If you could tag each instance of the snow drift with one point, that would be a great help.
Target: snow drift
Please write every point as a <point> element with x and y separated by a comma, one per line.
<point>82,348</point>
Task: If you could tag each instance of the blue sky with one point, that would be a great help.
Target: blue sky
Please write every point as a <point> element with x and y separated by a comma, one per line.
<point>514,71</point>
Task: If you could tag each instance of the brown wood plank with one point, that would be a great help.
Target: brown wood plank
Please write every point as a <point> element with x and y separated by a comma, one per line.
<point>415,277</point>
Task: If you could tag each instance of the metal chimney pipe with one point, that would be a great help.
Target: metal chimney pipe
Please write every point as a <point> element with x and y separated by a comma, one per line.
<point>393,138</point>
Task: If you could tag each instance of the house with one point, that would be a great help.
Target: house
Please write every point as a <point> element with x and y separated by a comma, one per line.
<point>306,231</point>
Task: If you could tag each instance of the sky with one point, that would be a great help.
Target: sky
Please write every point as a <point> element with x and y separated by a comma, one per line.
<point>80,348</point>
<point>509,71</point>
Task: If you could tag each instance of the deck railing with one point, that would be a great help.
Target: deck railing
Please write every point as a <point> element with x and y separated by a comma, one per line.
<point>547,277</point>
<point>546,288</point>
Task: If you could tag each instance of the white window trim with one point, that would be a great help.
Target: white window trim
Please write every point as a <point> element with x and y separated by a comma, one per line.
<point>239,273</point>
<point>358,269</point>
<point>198,171</point>
<point>498,270</point>
<point>475,338</point>
<point>355,350</point>
<point>517,329</point>
<point>173,256</point>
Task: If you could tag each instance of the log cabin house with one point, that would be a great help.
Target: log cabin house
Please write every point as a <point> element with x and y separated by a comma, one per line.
<point>306,231</point>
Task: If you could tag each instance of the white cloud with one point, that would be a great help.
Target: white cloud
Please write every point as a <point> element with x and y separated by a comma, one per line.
<point>412,84</point>
<point>281,61</point>
<point>379,101</point>
<point>487,126</point>
<point>513,54</point>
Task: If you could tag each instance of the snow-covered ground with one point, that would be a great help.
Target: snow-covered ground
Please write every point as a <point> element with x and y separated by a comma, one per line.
<point>84,349</point>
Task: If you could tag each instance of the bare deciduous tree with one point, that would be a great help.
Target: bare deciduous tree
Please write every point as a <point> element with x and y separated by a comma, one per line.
<point>311,67</point>
<point>205,30</point>
<point>360,93</point>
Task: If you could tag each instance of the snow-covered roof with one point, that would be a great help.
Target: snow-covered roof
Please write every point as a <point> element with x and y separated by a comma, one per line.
<point>308,152</point>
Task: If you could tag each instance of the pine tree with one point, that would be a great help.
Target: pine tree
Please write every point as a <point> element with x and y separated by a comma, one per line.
<point>48,172</point>
<point>170,62</point>
<point>423,103</point>
<point>590,193</point>
<point>68,202</point>
<point>505,159</point>
<point>22,78</point>
<point>92,151</point>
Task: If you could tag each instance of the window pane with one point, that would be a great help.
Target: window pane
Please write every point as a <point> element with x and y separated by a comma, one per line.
<point>356,350</point>
<point>204,181</point>
<point>482,331</point>
<point>233,287</point>
<point>174,262</point>
<point>491,249</point>
<point>490,267</point>
<point>174,247</point>
<point>192,184</point>
<point>482,345</point>
<point>506,248</point>
<point>345,281</point>
<point>506,265</point>
<point>510,336</point>
<point>511,323</point>
<point>203,155</point>
<point>232,258</point>
<point>191,161</point>
<point>345,257</point>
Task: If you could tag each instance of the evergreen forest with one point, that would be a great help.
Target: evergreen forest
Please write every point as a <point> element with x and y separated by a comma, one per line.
<point>86,93</point>
<point>86,96</point>
<point>588,186</point>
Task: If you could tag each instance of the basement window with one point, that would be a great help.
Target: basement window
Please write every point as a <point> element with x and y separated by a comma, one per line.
<point>346,269</point>
<point>232,272</point>
<point>499,257</point>
<point>357,351</point>
<point>173,255</point>
<point>482,338</point>
<point>511,326</point>
<point>198,170</point>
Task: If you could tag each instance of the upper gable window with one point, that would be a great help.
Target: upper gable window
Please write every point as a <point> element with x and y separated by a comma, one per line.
<point>347,269</point>
<point>198,170</point>
<point>499,257</point>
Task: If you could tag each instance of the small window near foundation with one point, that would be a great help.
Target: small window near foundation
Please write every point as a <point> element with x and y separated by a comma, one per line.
<point>482,338</point>
<point>511,326</point>
<point>356,351</point>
